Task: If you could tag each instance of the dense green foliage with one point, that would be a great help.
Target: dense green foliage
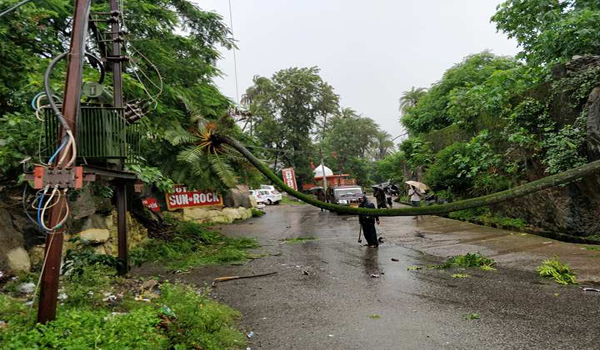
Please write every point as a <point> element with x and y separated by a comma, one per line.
<point>191,245</point>
<point>173,49</point>
<point>493,122</point>
<point>551,30</point>
<point>295,109</point>
<point>290,107</point>
<point>180,318</point>
<point>457,96</point>
<point>351,144</point>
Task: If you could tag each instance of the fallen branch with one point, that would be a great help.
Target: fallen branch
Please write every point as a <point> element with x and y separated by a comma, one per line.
<point>231,278</point>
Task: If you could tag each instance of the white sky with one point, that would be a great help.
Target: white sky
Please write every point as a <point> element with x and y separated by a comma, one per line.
<point>369,51</point>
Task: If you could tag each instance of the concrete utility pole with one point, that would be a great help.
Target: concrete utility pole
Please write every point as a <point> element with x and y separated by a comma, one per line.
<point>54,240</point>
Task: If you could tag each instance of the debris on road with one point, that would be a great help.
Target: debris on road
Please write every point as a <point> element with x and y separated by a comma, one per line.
<point>250,334</point>
<point>587,289</point>
<point>375,316</point>
<point>396,260</point>
<point>305,272</point>
<point>231,278</point>
<point>374,275</point>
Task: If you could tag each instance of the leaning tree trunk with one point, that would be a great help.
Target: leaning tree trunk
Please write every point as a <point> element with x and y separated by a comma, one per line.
<point>520,191</point>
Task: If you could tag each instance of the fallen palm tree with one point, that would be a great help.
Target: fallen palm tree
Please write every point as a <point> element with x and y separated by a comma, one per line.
<point>214,142</point>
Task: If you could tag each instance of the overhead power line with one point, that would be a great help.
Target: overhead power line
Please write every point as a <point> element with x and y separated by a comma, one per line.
<point>14,8</point>
<point>237,90</point>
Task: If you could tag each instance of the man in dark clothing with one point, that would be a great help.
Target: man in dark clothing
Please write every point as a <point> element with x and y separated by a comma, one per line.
<point>367,222</point>
<point>321,196</point>
<point>380,196</point>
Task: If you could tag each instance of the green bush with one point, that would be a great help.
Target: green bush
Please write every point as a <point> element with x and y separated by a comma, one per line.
<point>468,168</point>
<point>196,322</point>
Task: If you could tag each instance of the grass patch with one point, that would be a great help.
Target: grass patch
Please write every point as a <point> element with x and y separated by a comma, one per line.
<point>485,217</point>
<point>593,248</point>
<point>291,201</point>
<point>299,240</point>
<point>193,245</point>
<point>256,213</point>
<point>473,316</point>
<point>179,318</point>
<point>460,275</point>
<point>561,273</point>
<point>374,316</point>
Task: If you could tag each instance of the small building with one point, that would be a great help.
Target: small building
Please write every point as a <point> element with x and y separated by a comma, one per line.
<point>332,179</point>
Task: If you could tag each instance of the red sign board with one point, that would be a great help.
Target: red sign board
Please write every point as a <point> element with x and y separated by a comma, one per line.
<point>152,204</point>
<point>185,198</point>
<point>289,177</point>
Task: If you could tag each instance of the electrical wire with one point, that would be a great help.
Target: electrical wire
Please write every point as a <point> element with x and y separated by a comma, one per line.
<point>237,90</point>
<point>48,88</point>
<point>4,13</point>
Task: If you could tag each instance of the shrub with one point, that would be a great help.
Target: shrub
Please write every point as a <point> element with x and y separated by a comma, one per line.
<point>194,321</point>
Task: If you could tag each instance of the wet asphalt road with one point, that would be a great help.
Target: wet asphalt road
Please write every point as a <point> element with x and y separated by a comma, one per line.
<point>339,305</point>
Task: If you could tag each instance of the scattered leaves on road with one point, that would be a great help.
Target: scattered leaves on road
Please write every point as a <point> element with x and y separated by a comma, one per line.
<point>560,272</point>
<point>473,316</point>
<point>298,240</point>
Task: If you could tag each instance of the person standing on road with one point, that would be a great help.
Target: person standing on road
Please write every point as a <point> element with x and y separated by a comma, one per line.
<point>415,196</point>
<point>321,196</point>
<point>367,222</point>
<point>380,196</point>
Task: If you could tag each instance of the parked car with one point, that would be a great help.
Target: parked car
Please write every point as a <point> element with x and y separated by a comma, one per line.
<point>347,195</point>
<point>268,187</point>
<point>266,196</point>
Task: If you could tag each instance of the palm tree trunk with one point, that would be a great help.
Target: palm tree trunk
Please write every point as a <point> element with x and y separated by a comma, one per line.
<point>532,187</point>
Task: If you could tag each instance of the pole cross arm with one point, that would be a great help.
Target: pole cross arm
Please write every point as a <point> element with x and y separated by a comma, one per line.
<point>563,178</point>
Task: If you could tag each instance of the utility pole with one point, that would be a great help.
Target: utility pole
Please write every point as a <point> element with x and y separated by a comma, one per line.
<point>121,186</point>
<point>71,100</point>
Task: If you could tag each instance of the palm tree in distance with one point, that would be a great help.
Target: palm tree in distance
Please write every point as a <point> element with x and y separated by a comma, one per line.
<point>410,98</point>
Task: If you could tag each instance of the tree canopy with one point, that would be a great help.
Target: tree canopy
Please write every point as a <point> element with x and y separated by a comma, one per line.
<point>550,31</point>
<point>290,108</point>
<point>173,47</point>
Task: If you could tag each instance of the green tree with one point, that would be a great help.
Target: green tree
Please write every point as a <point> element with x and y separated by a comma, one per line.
<point>410,98</point>
<point>383,145</point>
<point>433,110</point>
<point>290,108</point>
<point>173,49</point>
<point>350,143</point>
<point>551,30</point>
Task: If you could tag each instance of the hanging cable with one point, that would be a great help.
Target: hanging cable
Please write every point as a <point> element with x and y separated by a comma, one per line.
<point>237,90</point>
<point>14,8</point>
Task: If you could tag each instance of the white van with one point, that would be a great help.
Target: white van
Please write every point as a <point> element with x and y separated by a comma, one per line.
<point>266,196</point>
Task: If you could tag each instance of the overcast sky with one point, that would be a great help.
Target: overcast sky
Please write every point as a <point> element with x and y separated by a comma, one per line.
<point>369,51</point>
